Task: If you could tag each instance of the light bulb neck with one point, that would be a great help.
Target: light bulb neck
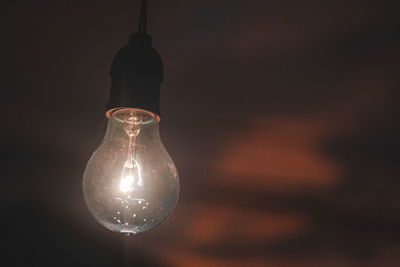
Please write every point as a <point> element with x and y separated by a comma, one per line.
<point>131,120</point>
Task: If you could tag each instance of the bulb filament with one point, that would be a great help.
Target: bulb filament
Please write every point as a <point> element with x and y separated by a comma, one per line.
<point>131,172</point>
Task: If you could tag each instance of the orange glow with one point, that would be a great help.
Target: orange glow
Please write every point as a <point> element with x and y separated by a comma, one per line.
<point>283,155</point>
<point>212,224</point>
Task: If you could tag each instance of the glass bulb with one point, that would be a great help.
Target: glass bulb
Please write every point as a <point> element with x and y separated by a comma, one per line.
<point>130,183</point>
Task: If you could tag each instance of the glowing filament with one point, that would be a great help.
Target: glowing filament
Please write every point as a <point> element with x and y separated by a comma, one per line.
<point>126,183</point>
<point>130,173</point>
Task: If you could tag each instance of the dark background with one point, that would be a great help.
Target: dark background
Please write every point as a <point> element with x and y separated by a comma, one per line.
<point>282,118</point>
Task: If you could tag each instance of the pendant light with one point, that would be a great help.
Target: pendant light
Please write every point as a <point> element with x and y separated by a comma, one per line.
<point>131,184</point>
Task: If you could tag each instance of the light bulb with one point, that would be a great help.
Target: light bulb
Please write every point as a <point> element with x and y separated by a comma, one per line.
<point>130,183</point>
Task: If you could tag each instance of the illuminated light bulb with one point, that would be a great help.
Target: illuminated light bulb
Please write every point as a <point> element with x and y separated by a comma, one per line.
<point>130,183</point>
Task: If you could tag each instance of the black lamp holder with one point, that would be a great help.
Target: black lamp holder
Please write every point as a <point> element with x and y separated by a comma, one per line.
<point>136,72</point>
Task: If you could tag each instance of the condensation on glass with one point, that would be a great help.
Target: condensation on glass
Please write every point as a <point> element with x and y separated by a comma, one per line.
<point>130,183</point>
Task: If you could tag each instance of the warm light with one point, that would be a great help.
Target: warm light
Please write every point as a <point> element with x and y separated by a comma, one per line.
<point>126,183</point>
<point>128,176</point>
<point>130,183</point>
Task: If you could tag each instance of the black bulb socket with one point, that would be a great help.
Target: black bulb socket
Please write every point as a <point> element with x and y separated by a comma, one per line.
<point>136,76</point>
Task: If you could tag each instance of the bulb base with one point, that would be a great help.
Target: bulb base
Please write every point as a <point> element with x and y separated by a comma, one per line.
<point>111,112</point>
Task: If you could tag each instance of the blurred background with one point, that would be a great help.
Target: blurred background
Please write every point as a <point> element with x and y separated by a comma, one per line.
<point>281,116</point>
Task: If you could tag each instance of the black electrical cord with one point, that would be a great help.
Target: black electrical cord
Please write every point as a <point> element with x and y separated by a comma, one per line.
<point>143,17</point>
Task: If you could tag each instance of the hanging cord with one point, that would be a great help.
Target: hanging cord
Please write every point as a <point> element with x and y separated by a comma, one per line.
<point>143,17</point>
